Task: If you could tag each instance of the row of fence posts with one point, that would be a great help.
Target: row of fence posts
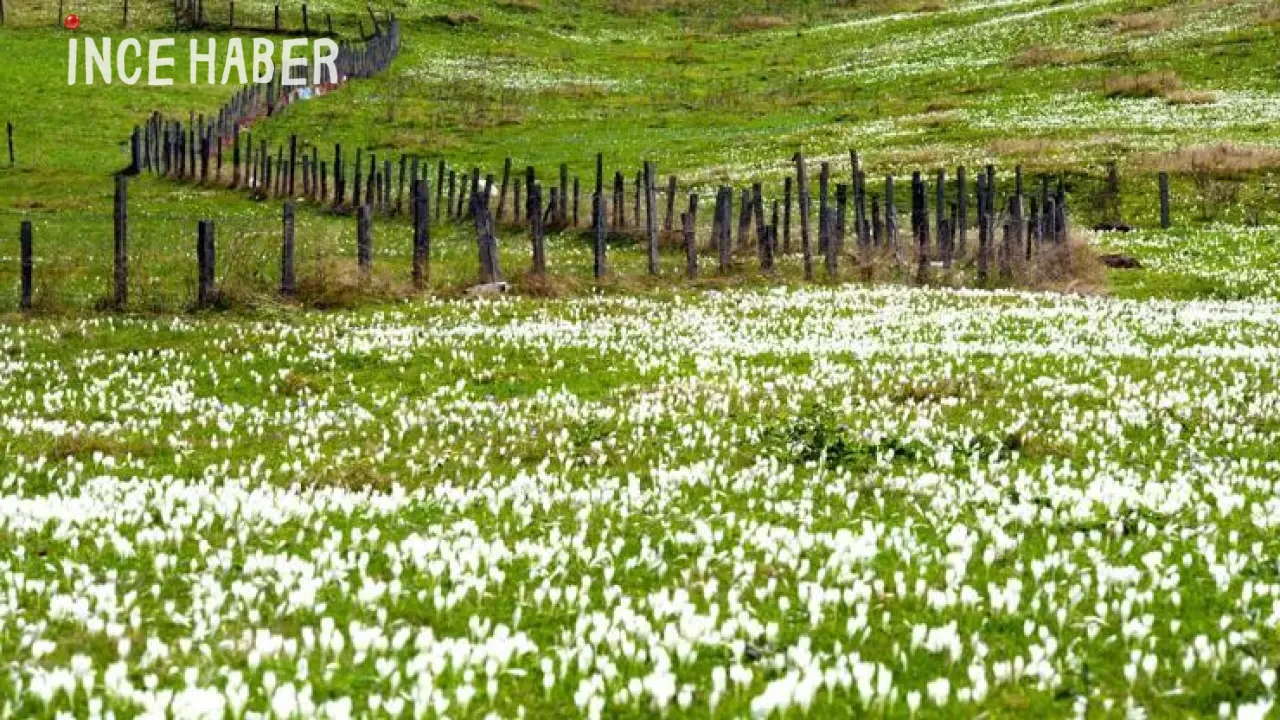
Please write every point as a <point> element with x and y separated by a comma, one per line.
<point>194,150</point>
<point>875,224</point>
<point>193,14</point>
<point>1048,225</point>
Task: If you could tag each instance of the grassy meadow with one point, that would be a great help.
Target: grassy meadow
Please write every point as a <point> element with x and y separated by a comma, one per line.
<point>740,496</point>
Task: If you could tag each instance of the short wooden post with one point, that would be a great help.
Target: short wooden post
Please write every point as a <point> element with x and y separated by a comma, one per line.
<point>767,248</point>
<point>724,214</point>
<point>24,250</point>
<point>421,235</point>
<point>1164,200</point>
<point>121,254</point>
<point>288,284</point>
<point>962,212</point>
<point>364,241</point>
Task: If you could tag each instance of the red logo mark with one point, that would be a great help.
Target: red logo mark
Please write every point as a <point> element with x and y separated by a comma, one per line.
<point>72,22</point>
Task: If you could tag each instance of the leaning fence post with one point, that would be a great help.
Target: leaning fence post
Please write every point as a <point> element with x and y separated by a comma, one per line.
<point>490,270</point>
<point>1164,200</point>
<point>24,242</point>
<point>121,242</point>
<point>287,281</point>
<point>364,241</point>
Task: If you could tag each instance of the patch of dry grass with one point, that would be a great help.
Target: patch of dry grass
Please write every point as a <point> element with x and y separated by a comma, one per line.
<point>1147,85</point>
<point>1144,23</point>
<point>748,23</point>
<point>520,5</point>
<point>336,283</point>
<point>1222,160</point>
<point>1191,97</point>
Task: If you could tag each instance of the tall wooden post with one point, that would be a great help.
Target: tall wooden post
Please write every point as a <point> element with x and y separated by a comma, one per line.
<point>598,264</point>
<point>651,217</point>
<point>806,246</point>
<point>1164,200</point>
<point>689,225</point>
<point>121,254</point>
<point>364,241</point>
<point>288,284</point>
<point>421,235</point>
<point>24,250</point>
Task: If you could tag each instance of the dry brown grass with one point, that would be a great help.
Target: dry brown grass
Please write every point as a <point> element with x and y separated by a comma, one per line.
<point>1050,56</point>
<point>1191,97</point>
<point>1071,268</point>
<point>1027,147</point>
<point>546,286</point>
<point>520,5</point>
<point>1222,160</point>
<point>1144,23</point>
<point>336,283</point>
<point>749,23</point>
<point>1146,85</point>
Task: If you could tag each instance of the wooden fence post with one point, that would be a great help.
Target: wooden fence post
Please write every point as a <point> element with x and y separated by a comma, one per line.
<point>671,204</point>
<point>832,248</point>
<point>536,229</point>
<point>421,235</point>
<point>786,216</point>
<point>984,231</point>
<point>651,217</point>
<point>206,262</point>
<point>490,269</point>
<point>121,255</point>
<point>364,241</point>
<point>689,225</point>
<point>502,191</point>
<point>598,260</point>
<point>1164,201</point>
<point>9,127</point>
<point>562,209</point>
<point>724,216</point>
<point>288,284</point>
<point>24,243</point>
<point>806,246</point>
<point>962,212</point>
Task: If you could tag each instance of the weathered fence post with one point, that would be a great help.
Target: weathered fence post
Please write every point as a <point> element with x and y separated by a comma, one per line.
<point>671,204</point>
<point>802,179</point>
<point>421,235</point>
<point>651,217</point>
<point>537,229</point>
<point>288,284</point>
<point>562,209</point>
<point>490,270</point>
<point>832,249</point>
<point>1164,200</point>
<point>121,255</point>
<point>598,261</point>
<point>962,212</point>
<point>206,261</point>
<point>9,128</point>
<point>786,216</point>
<point>364,241</point>
<point>724,212</point>
<point>984,230</point>
<point>24,250</point>
<point>502,191</point>
<point>689,226</point>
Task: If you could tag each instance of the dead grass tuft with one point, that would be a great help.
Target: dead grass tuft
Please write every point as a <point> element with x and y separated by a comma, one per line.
<point>546,286</point>
<point>1146,85</point>
<point>748,23</point>
<point>527,6</point>
<point>1191,97</point>
<point>1144,23</point>
<point>336,283</point>
<point>1227,160</point>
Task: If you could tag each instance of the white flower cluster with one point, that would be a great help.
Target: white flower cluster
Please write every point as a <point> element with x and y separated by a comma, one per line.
<point>833,501</point>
